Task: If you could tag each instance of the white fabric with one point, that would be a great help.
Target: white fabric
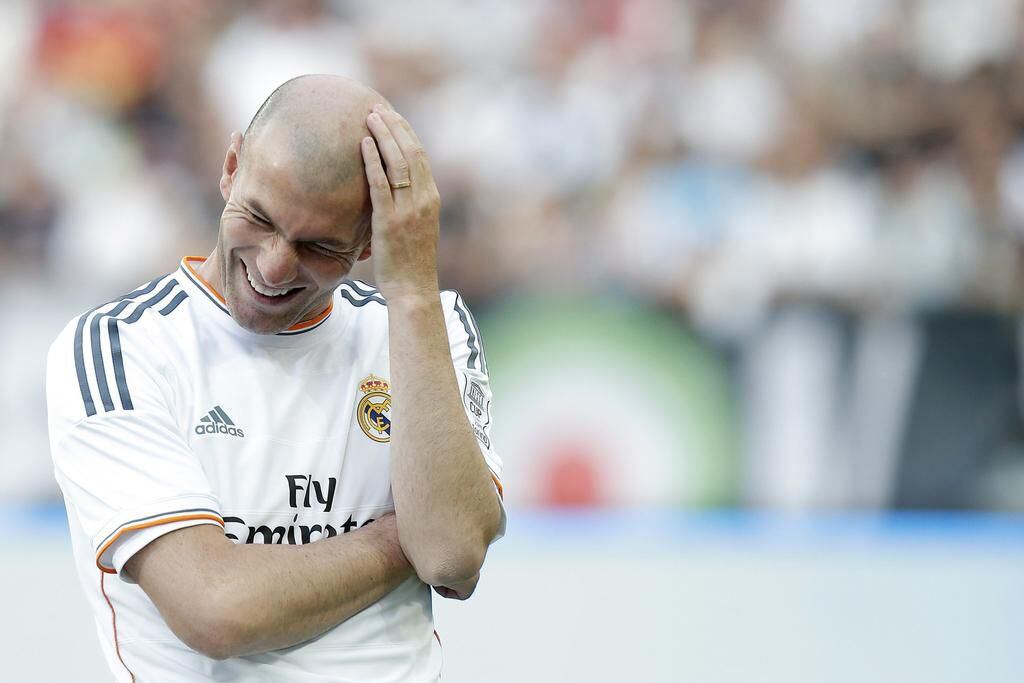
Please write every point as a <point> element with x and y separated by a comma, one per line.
<point>295,465</point>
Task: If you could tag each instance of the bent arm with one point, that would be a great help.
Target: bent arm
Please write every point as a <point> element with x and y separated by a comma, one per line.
<point>447,508</point>
<point>225,599</point>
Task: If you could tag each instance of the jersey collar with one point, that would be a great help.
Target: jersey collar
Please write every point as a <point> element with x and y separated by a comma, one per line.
<point>189,269</point>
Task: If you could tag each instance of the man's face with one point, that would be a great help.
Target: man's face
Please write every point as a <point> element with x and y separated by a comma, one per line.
<point>284,250</point>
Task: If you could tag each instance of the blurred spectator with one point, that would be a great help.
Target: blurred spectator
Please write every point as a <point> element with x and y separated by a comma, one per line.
<point>266,44</point>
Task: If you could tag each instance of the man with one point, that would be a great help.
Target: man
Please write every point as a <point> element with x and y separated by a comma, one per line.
<point>277,462</point>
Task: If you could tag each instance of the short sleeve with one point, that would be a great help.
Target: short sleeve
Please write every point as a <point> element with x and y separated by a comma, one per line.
<point>125,469</point>
<point>467,351</point>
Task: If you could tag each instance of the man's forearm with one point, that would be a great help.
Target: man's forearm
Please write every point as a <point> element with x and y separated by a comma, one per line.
<point>227,600</point>
<point>445,501</point>
<point>306,590</point>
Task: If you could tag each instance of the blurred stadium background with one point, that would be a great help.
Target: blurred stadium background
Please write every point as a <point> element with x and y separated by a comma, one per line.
<point>749,273</point>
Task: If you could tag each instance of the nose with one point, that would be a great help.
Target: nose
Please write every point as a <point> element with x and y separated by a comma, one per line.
<point>277,262</point>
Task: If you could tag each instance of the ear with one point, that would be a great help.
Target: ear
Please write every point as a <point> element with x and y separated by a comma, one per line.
<point>231,161</point>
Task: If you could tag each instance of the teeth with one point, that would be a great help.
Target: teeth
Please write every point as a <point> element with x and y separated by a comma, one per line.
<point>265,291</point>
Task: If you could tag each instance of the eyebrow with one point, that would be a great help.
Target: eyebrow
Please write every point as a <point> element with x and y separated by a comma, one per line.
<point>254,207</point>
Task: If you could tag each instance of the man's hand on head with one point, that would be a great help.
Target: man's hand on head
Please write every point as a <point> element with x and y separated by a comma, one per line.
<point>406,207</point>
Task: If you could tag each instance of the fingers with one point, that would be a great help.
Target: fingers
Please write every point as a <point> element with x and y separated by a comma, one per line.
<point>396,166</point>
<point>380,189</point>
<point>409,144</point>
<point>402,133</point>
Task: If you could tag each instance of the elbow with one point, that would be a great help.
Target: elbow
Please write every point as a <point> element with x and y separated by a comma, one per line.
<point>210,645</point>
<point>455,559</point>
<point>213,643</point>
<point>449,556</point>
<point>213,628</point>
<point>453,567</point>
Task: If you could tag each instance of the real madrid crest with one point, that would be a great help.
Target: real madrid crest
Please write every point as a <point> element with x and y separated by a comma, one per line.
<point>373,411</point>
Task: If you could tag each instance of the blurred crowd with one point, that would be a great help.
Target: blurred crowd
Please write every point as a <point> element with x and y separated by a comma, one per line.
<point>821,189</point>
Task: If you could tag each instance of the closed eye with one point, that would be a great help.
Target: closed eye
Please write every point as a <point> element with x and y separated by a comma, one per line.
<point>256,219</point>
<point>331,250</point>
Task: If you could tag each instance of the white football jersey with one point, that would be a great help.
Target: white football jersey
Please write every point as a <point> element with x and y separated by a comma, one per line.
<point>164,413</point>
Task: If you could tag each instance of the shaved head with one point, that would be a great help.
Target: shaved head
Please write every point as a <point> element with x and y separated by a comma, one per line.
<point>315,124</point>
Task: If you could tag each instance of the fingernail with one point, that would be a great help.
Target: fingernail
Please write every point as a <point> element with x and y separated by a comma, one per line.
<point>378,107</point>
<point>375,116</point>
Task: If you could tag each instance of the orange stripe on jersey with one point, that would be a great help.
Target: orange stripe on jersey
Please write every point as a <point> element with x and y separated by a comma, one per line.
<point>146,525</point>
<point>202,259</point>
<point>497,482</point>
<point>312,321</point>
<point>188,260</point>
<point>113,618</point>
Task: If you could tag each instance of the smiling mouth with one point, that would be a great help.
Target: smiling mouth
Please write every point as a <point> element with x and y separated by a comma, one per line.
<point>269,294</point>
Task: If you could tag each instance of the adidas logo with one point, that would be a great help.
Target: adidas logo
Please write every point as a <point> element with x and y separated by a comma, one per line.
<point>218,422</point>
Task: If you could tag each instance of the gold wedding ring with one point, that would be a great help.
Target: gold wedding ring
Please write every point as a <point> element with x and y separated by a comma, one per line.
<point>399,186</point>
